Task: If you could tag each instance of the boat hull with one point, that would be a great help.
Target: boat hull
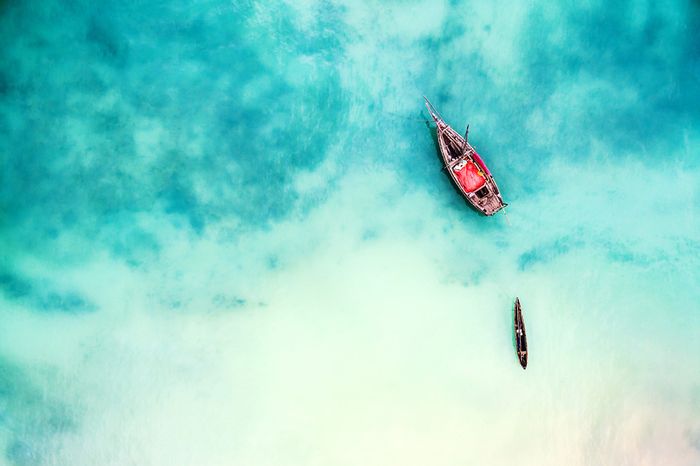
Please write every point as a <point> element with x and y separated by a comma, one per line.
<point>466,168</point>
<point>520,336</point>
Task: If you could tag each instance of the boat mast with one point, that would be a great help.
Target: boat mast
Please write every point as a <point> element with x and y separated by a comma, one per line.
<point>464,146</point>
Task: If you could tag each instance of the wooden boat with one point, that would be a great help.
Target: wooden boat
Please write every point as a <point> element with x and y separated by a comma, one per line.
<point>466,168</point>
<point>520,337</point>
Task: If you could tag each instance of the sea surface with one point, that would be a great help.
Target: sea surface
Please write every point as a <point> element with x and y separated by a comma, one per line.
<point>226,238</point>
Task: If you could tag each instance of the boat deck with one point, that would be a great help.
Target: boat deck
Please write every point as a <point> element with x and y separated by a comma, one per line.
<point>490,204</point>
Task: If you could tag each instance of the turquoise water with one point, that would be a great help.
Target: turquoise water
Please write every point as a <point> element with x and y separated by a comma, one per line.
<point>227,240</point>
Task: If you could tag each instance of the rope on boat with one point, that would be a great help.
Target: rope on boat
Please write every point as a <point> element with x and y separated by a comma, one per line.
<point>403,117</point>
<point>505,214</point>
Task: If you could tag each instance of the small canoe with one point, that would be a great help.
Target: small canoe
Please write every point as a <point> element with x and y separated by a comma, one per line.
<point>466,168</point>
<point>520,337</point>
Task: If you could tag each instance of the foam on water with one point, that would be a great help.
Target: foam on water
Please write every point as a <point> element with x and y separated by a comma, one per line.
<point>227,239</point>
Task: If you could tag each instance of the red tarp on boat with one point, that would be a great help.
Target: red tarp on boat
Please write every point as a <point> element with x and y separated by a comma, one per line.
<point>469,177</point>
<point>480,163</point>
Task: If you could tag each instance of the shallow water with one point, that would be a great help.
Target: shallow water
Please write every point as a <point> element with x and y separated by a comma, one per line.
<point>227,238</point>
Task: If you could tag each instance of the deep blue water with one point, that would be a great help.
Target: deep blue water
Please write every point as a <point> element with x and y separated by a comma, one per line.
<point>226,237</point>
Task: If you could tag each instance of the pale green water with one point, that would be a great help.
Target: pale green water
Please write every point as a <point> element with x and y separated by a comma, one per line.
<point>227,239</point>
